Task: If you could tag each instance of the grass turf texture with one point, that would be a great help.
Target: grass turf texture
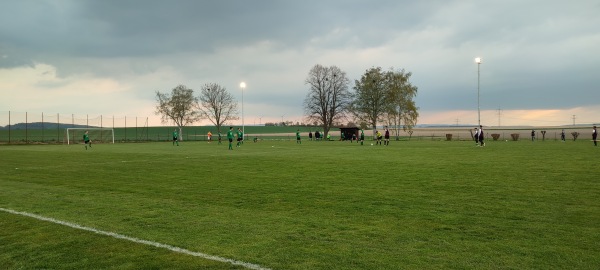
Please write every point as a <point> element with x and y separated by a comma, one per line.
<point>318,205</point>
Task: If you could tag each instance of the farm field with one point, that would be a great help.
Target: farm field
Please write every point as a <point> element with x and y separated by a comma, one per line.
<point>316,205</point>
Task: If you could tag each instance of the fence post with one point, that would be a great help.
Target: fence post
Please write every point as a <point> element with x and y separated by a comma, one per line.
<point>26,129</point>
<point>8,127</point>
<point>42,127</point>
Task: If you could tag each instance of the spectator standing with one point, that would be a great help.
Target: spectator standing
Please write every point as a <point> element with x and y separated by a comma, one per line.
<point>386,136</point>
<point>362,136</point>
<point>595,135</point>
<point>481,143</point>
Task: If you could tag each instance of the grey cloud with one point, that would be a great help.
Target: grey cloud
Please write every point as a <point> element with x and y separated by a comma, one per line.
<point>135,28</point>
<point>537,54</point>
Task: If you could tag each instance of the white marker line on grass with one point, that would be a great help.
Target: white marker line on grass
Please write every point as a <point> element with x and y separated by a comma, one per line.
<point>140,241</point>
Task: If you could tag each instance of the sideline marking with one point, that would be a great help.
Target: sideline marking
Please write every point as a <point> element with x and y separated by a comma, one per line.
<point>139,241</point>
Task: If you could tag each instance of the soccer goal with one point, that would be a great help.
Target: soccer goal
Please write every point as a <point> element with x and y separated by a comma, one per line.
<point>97,135</point>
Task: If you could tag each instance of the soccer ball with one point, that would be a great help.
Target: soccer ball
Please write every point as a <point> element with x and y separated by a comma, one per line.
<point>371,144</point>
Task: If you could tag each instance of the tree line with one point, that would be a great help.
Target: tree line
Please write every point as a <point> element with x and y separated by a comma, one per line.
<point>379,96</point>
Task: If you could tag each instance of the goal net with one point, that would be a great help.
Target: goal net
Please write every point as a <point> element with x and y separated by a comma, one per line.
<point>97,135</point>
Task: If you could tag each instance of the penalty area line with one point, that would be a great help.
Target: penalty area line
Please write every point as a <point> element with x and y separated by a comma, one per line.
<point>137,240</point>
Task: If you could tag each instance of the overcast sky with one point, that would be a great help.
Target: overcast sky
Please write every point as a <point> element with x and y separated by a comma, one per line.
<point>541,59</point>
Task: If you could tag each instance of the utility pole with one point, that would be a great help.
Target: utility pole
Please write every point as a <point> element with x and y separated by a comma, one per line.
<point>478,61</point>
<point>574,120</point>
<point>499,114</point>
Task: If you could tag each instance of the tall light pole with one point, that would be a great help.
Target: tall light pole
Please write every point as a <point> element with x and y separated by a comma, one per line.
<point>478,61</point>
<point>243,86</point>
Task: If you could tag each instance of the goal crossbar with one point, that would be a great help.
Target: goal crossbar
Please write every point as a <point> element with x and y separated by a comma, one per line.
<point>71,131</point>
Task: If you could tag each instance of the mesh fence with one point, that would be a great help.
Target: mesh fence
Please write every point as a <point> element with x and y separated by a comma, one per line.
<point>26,127</point>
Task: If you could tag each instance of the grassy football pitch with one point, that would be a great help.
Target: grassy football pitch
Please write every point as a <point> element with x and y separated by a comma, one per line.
<point>318,205</point>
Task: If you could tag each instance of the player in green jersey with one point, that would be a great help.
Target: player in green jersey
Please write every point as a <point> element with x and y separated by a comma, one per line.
<point>230,137</point>
<point>175,137</point>
<point>86,140</point>
<point>298,137</point>
<point>239,137</point>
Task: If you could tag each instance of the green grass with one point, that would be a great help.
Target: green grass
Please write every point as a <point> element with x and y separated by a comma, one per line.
<point>319,205</point>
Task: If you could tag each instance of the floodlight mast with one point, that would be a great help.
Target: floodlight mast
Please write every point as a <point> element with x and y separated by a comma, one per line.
<point>478,61</point>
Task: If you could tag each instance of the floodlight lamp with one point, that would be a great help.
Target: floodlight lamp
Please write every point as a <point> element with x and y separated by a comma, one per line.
<point>478,60</point>
<point>243,85</point>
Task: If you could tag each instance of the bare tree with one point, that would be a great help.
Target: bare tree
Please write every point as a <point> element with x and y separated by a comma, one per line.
<point>179,106</point>
<point>328,97</point>
<point>217,105</point>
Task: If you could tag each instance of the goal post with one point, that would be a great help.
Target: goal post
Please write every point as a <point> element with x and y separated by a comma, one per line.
<point>104,135</point>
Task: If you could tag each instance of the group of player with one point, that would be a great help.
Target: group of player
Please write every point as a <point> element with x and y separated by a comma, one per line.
<point>562,135</point>
<point>386,137</point>
<point>478,136</point>
<point>230,137</point>
<point>317,137</point>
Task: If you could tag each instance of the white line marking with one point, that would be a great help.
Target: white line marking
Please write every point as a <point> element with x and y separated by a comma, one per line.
<point>140,241</point>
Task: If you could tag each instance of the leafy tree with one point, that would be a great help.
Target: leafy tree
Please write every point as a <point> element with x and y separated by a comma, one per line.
<point>217,105</point>
<point>328,97</point>
<point>402,109</point>
<point>370,104</point>
<point>179,106</point>
<point>385,96</point>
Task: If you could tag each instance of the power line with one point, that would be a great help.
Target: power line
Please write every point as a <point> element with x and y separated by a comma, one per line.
<point>533,120</point>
